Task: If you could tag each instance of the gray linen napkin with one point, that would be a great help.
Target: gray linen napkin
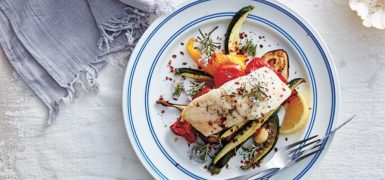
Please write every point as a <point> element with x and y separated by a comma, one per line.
<point>53,44</point>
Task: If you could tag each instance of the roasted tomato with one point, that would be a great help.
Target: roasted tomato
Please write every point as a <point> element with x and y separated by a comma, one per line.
<point>227,73</point>
<point>184,129</point>
<point>257,63</point>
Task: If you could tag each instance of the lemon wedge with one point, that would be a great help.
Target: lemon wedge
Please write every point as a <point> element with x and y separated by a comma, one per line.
<point>297,115</point>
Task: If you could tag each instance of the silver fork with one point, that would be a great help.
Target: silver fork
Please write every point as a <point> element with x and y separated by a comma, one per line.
<point>291,154</point>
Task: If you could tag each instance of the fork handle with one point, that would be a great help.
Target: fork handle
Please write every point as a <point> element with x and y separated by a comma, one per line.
<point>261,174</point>
<point>263,170</point>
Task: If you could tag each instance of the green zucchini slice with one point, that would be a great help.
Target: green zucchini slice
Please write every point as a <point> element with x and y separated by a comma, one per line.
<point>243,134</point>
<point>193,73</point>
<point>232,33</point>
<point>216,168</point>
<point>233,129</point>
<point>295,82</point>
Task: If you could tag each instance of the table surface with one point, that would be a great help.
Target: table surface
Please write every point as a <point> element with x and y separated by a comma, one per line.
<point>89,140</point>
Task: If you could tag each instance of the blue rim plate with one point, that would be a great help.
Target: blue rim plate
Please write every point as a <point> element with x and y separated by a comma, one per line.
<point>272,25</point>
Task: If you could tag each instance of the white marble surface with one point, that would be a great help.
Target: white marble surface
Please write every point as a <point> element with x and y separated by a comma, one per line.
<point>89,141</point>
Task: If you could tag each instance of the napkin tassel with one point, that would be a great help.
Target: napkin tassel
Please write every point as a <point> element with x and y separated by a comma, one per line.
<point>86,79</point>
<point>132,22</point>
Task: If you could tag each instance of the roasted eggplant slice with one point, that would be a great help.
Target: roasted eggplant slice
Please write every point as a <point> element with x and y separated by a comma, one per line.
<point>279,60</point>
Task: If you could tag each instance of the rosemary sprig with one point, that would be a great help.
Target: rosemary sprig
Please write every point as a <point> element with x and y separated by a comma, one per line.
<point>257,93</point>
<point>195,88</point>
<point>200,152</point>
<point>207,44</point>
<point>249,151</point>
<point>249,48</point>
<point>179,89</point>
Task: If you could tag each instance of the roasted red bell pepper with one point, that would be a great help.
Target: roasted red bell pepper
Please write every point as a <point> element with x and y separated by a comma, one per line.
<point>184,129</point>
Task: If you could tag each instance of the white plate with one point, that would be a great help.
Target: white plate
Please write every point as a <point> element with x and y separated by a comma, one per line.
<point>149,131</point>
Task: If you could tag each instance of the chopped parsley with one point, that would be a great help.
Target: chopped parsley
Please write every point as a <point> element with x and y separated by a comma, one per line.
<point>249,48</point>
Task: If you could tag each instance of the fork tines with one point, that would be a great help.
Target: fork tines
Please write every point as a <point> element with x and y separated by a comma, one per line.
<point>299,142</point>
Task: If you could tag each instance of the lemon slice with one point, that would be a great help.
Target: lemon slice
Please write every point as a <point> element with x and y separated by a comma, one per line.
<point>297,115</point>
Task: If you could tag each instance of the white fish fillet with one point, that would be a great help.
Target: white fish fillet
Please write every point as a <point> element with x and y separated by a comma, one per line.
<point>242,99</point>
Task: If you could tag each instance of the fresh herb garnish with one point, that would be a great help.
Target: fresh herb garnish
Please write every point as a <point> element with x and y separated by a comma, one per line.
<point>195,88</point>
<point>207,44</point>
<point>257,93</point>
<point>249,151</point>
<point>179,89</point>
<point>249,47</point>
<point>200,152</point>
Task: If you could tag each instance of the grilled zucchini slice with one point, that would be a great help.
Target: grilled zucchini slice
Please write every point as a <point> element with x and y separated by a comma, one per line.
<point>194,74</point>
<point>232,33</point>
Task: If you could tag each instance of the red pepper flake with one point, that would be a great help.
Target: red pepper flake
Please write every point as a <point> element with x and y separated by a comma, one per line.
<point>281,95</point>
<point>199,67</point>
<point>182,53</point>
<point>184,63</point>
<point>160,98</point>
<point>175,99</point>
<point>283,89</point>
<point>174,56</point>
<point>169,63</point>
<point>175,139</point>
<point>242,35</point>
<point>171,69</point>
<point>182,43</point>
<point>237,83</point>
